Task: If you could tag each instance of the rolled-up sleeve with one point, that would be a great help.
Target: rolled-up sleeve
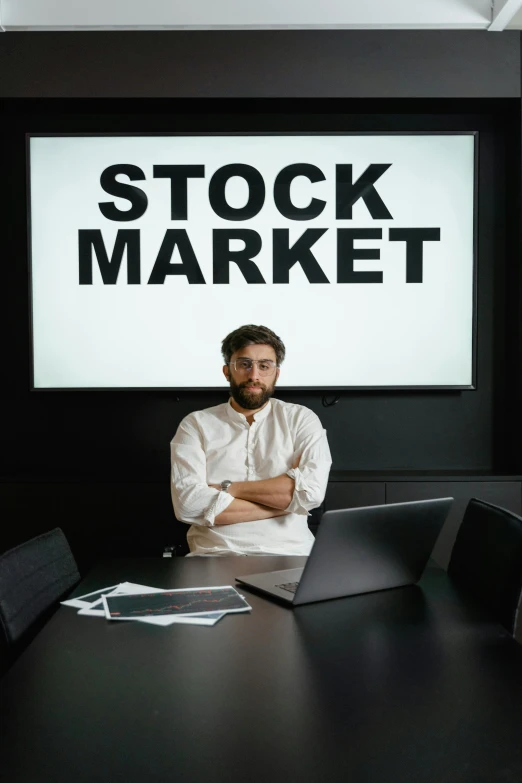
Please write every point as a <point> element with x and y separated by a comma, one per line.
<point>311,477</point>
<point>194,501</point>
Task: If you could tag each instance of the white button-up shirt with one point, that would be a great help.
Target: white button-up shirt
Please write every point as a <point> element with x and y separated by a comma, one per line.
<point>217,444</point>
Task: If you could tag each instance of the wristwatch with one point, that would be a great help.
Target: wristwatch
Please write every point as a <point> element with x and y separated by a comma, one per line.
<point>225,485</point>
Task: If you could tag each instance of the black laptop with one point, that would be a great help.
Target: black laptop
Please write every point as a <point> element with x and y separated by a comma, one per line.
<point>360,550</point>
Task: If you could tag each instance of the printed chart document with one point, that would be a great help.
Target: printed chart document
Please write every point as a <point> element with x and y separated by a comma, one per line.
<point>186,602</point>
<point>97,609</point>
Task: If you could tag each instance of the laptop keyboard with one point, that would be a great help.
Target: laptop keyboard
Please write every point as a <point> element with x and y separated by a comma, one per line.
<point>290,586</point>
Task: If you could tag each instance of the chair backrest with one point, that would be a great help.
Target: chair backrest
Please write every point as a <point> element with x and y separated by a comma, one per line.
<point>486,559</point>
<point>34,576</point>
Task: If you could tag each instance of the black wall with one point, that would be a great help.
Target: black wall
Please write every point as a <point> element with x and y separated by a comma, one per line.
<point>263,64</point>
<point>324,80</point>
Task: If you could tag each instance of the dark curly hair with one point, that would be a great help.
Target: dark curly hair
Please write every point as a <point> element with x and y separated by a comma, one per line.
<point>252,335</point>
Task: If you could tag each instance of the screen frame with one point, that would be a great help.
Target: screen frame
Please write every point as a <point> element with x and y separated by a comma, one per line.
<point>280,387</point>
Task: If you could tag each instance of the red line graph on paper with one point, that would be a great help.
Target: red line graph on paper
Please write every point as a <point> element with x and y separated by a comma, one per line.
<point>174,602</point>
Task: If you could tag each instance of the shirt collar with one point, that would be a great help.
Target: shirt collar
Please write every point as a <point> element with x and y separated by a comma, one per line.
<point>259,416</point>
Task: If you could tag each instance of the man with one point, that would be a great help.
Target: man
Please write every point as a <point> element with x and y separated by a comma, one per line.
<point>246,473</point>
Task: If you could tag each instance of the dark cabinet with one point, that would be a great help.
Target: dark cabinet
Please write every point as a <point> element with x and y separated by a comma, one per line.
<point>136,518</point>
<point>352,494</point>
<point>501,493</point>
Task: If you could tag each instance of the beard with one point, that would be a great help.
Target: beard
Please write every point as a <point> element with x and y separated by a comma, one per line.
<point>251,400</point>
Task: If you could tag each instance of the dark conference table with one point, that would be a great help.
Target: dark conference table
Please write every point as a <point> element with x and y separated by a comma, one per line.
<point>413,684</point>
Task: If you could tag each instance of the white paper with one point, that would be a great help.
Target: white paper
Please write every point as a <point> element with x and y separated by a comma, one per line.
<point>203,619</point>
<point>80,603</point>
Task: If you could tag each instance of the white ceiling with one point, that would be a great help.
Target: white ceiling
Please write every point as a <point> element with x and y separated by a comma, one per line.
<point>492,15</point>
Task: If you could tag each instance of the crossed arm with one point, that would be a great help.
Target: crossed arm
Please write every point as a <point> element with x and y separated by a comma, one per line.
<point>255,500</point>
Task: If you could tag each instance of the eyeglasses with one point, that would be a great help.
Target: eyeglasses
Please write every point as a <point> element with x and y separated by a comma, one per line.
<point>264,366</point>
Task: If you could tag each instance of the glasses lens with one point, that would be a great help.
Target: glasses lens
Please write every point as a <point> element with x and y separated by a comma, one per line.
<point>243,365</point>
<point>264,367</point>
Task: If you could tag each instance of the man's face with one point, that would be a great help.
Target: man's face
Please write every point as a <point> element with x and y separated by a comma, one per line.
<point>252,389</point>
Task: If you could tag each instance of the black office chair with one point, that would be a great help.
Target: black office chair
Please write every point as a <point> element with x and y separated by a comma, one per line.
<point>34,576</point>
<point>486,559</point>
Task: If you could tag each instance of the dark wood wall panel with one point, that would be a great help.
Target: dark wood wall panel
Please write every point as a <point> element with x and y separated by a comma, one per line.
<point>119,435</point>
<point>100,519</point>
<point>97,463</point>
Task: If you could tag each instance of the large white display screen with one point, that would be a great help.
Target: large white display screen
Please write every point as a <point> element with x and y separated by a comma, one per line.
<point>357,250</point>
